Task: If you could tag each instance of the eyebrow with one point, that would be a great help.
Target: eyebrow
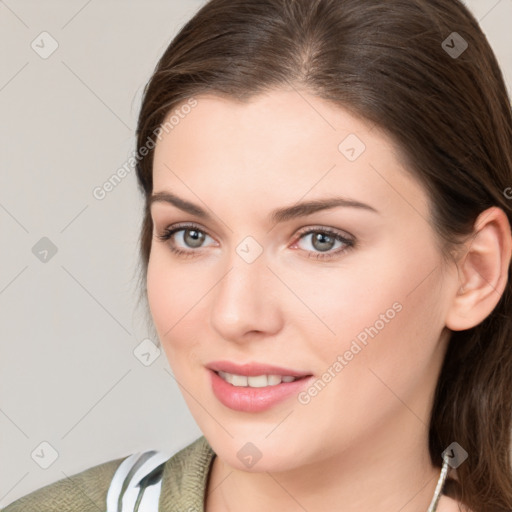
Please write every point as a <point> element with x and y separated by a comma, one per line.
<point>278,215</point>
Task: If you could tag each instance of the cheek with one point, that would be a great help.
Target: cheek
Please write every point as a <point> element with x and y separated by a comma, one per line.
<point>384,347</point>
<point>383,309</point>
<point>178,301</point>
<point>344,301</point>
<point>171,297</point>
<point>160,294</point>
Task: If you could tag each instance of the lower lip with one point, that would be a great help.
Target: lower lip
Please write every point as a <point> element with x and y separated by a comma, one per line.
<point>247,399</point>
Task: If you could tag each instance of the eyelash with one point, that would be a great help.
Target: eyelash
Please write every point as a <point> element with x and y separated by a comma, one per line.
<point>349,243</point>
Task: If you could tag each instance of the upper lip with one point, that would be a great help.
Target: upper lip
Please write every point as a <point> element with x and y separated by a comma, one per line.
<point>253,369</point>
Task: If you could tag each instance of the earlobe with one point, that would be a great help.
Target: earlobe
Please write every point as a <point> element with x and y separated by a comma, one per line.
<point>483,271</point>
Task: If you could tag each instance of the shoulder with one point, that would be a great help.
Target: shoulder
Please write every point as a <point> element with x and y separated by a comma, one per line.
<point>185,477</point>
<point>155,480</point>
<point>180,479</point>
<point>85,491</point>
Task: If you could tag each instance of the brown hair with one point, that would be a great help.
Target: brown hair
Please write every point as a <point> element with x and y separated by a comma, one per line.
<point>450,116</point>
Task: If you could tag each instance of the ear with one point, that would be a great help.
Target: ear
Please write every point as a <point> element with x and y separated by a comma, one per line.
<point>483,271</point>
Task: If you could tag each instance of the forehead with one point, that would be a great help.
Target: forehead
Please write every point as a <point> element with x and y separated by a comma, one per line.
<point>278,118</point>
<point>283,144</point>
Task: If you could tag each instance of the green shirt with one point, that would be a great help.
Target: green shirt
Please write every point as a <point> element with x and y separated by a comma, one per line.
<point>184,482</point>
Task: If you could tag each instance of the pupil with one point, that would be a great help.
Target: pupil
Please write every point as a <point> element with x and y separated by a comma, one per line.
<point>196,239</point>
<point>321,237</point>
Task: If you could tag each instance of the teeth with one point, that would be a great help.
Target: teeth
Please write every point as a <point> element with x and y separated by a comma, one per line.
<point>274,379</point>
<point>257,381</point>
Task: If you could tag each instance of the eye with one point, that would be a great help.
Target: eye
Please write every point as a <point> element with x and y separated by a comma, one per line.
<point>324,240</point>
<point>190,236</point>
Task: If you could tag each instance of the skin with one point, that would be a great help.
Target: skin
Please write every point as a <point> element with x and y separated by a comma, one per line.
<point>360,444</point>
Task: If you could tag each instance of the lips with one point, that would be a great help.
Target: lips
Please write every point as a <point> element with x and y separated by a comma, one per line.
<point>254,369</point>
<point>259,399</point>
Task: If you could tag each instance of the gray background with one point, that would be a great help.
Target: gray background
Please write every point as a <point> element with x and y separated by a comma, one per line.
<point>70,324</point>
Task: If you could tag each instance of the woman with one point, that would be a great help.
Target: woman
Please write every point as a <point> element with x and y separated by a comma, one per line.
<point>326,255</point>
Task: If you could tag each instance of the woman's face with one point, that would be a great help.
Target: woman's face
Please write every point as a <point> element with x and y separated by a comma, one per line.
<point>353,296</point>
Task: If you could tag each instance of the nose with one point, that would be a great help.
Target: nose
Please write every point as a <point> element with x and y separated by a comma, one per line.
<point>245,301</point>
